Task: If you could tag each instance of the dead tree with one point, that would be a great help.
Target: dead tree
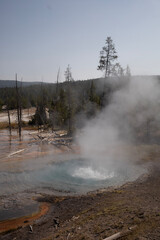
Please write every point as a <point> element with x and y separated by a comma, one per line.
<point>9,120</point>
<point>53,111</point>
<point>57,84</point>
<point>20,102</point>
<point>69,79</point>
<point>8,111</point>
<point>19,108</point>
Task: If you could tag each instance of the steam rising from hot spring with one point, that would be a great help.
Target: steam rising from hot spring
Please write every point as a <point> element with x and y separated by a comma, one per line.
<point>105,140</point>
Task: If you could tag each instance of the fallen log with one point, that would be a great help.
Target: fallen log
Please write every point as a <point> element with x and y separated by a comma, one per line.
<point>120,234</point>
<point>31,133</point>
<point>11,154</point>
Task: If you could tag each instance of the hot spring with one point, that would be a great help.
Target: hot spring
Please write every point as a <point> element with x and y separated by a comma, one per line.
<point>70,174</point>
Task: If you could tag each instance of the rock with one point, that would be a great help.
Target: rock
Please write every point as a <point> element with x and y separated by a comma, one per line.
<point>30,228</point>
<point>56,222</point>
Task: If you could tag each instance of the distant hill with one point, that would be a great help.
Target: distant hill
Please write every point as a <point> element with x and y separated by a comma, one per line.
<point>11,83</point>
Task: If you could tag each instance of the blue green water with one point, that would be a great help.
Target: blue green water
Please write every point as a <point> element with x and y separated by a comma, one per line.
<point>75,175</point>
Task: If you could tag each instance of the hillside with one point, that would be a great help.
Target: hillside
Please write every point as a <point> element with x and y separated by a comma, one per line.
<point>11,83</point>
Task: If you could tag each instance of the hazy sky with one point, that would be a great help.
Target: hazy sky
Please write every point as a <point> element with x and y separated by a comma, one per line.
<point>39,36</point>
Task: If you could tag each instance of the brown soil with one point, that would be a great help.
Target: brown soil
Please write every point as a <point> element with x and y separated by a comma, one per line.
<point>100,214</point>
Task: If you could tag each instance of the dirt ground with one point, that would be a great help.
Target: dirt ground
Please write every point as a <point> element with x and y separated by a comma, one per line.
<point>100,214</point>
<point>26,115</point>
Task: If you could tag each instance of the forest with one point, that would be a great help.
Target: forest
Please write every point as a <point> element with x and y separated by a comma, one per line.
<point>63,101</point>
<point>66,104</point>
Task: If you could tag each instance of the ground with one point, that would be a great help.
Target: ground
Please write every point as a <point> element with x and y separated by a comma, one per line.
<point>26,115</point>
<point>100,214</point>
<point>95,215</point>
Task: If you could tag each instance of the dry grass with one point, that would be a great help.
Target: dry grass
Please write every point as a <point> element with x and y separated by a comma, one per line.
<point>4,125</point>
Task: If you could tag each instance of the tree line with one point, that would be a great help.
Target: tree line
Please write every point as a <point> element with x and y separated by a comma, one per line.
<point>62,105</point>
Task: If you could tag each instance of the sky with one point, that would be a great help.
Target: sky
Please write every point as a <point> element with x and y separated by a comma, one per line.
<point>39,36</point>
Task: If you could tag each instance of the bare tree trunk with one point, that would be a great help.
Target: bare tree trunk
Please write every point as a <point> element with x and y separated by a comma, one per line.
<point>57,85</point>
<point>51,117</point>
<point>69,110</point>
<point>8,112</point>
<point>9,120</point>
<point>19,111</point>
<point>54,113</point>
<point>20,104</point>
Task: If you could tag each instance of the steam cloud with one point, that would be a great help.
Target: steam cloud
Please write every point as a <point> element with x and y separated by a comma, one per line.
<point>106,139</point>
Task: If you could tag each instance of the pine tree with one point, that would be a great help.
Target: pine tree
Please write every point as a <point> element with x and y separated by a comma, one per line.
<point>117,70</point>
<point>107,56</point>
